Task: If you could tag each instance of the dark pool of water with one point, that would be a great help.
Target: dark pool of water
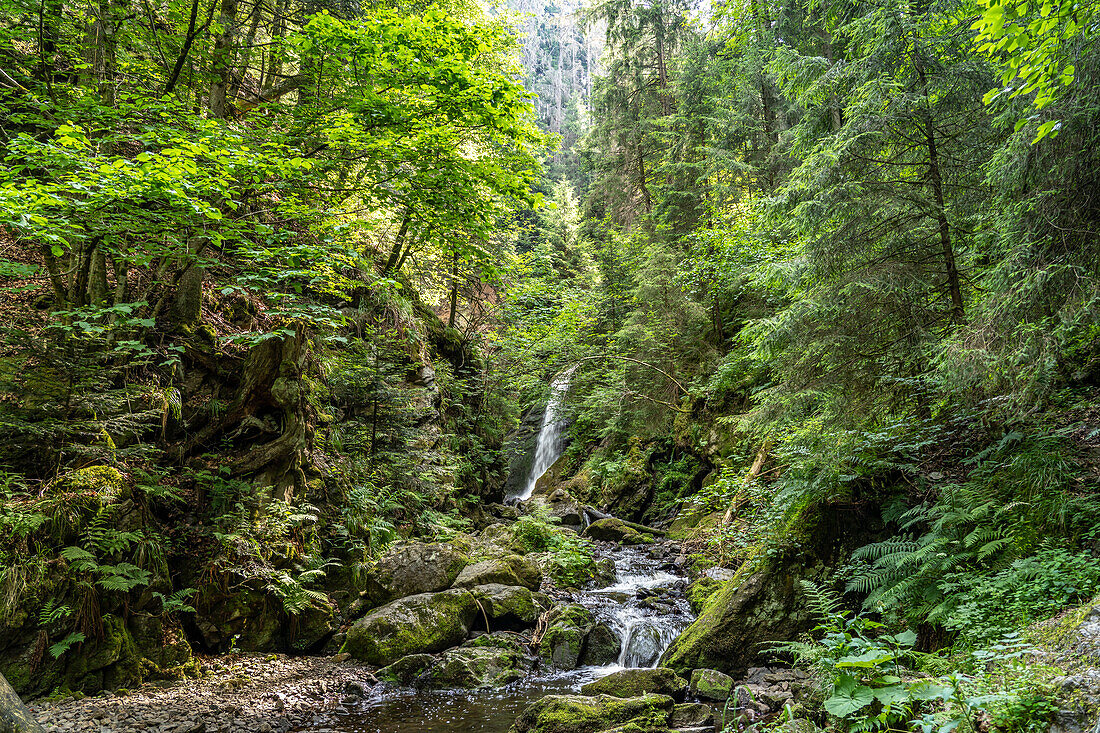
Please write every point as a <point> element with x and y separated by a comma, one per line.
<point>450,711</point>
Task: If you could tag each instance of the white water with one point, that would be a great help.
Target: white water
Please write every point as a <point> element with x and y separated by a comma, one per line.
<point>549,445</point>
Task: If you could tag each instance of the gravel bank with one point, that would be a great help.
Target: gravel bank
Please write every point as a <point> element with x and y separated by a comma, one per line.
<point>243,693</point>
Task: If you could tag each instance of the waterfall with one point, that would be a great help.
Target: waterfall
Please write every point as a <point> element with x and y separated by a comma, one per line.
<point>549,444</point>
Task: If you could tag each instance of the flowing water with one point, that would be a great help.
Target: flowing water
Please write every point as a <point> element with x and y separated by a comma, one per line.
<point>645,607</point>
<point>551,439</point>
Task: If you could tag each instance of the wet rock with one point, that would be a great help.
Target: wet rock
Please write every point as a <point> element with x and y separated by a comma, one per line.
<point>509,570</point>
<point>635,682</point>
<point>602,646</point>
<point>424,623</point>
<point>14,716</point>
<point>710,684</point>
<point>562,643</point>
<point>799,725</point>
<point>692,715</point>
<point>406,669</point>
<point>614,530</point>
<point>643,644</point>
<point>509,606</point>
<point>581,714</point>
<point>411,568</point>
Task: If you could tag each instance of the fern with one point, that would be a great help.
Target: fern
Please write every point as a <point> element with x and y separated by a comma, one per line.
<point>56,650</point>
<point>823,602</point>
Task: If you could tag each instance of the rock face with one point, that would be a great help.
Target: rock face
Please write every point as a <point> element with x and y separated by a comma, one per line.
<point>509,606</point>
<point>636,682</point>
<point>562,644</point>
<point>409,569</point>
<point>580,714</point>
<point>406,670</point>
<point>509,570</point>
<point>710,684</point>
<point>14,716</point>
<point>614,530</point>
<point>424,623</point>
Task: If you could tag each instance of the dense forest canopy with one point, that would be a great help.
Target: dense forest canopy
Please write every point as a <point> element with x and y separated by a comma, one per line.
<point>286,280</point>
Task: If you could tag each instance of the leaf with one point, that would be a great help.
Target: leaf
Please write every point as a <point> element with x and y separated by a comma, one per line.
<point>57,250</point>
<point>56,650</point>
<point>848,697</point>
<point>866,660</point>
<point>892,695</point>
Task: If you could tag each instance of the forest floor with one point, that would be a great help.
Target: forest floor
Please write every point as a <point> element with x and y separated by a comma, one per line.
<point>253,693</point>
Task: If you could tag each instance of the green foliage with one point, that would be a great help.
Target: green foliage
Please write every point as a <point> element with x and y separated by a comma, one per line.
<point>570,559</point>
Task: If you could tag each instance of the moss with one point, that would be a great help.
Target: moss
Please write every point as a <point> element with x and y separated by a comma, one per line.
<point>104,482</point>
<point>700,592</point>
<point>636,682</point>
<point>579,714</point>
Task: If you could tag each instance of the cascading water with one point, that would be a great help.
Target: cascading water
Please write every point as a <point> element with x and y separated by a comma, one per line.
<point>548,446</point>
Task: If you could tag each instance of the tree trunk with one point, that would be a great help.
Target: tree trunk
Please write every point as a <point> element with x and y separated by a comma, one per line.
<point>454,290</point>
<point>935,181</point>
<point>221,60</point>
<point>754,471</point>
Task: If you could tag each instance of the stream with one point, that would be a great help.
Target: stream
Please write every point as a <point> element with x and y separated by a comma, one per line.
<point>645,606</point>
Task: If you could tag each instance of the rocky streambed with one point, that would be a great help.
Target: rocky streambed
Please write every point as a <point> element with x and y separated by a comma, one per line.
<point>519,649</point>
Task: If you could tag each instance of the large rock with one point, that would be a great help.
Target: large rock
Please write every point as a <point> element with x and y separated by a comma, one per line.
<point>562,643</point>
<point>602,646</point>
<point>768,605</point>
<point>488,661</point>
<point>692,715</point>
<point>509,606</point>
<point>635,682</point>
<point>424,623</point>
<point>411,568</point>
<point>508,570</point>
<point>710,684</point>
<point>406,670</point>
<point>615,530</point>
<point>581,714</point>
<point>14,716</point>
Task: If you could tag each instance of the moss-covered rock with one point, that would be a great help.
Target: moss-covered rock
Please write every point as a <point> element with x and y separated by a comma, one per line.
<point>508,570</point>
<point>407,669</point>
<point>635,682</point>
<point>701,591</point>
<point>484,662</point>
<point>692,715</point>
<point>508,606</point>
<point>14,716</point>
<point>424,623</point>
<point>710,684</point>
<point>562,643</point>
<point>602,646</point>
<point>614,530</point>
<point>410,568</point>
<point>764,601</point>
<point>581,714</point>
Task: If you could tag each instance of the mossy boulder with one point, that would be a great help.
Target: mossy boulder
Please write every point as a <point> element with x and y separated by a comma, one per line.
<point>14,716</point>
<point>508,606</point>
<point>487,661</point>
<point>248,618</point>
<point>615,530</point>
<point>602,646</point>
<point>635,682</point>
<point>701,591</point>
<point>692,715</point>
<point>508,570</point>
<point>424,623</point>
<point>411,568</point>
<point>764,601</point>
<point>582,714</point>
<point>562,644</point>
<point>407,669</point>
<point>710,684</point>
<point>104,482</point>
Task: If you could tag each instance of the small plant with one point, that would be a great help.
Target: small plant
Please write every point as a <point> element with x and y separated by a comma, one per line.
<point>867,683</point>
